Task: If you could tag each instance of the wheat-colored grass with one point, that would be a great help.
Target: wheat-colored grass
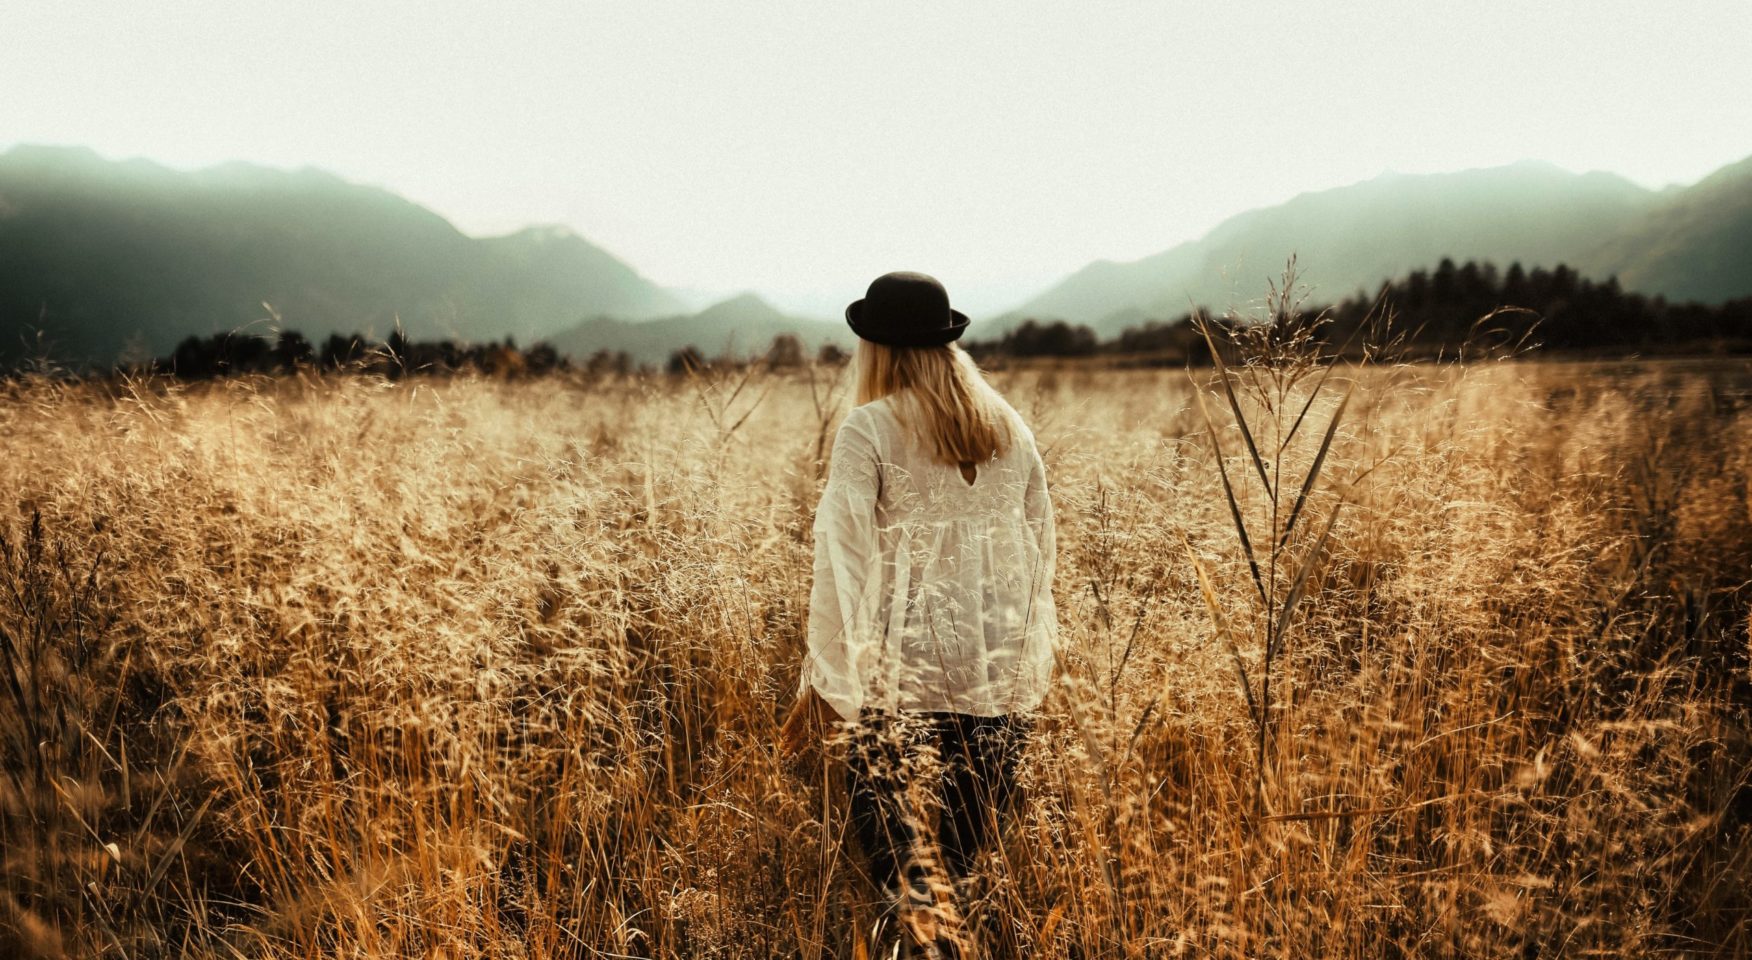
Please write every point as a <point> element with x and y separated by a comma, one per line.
<point>340,667</point>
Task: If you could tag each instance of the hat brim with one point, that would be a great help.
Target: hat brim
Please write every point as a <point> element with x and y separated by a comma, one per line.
<point>911,338</point>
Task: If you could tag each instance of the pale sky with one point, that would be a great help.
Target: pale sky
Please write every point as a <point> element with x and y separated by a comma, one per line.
<point>800,149</point>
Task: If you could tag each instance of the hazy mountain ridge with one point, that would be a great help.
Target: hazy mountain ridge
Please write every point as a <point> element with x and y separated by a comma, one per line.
<point>128,257</point>
<point>744,324</point>
<point>1684,243</point>
<point>1695,244</point>
<point>107,255</point>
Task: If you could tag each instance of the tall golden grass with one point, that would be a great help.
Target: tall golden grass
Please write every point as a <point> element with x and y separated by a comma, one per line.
<point>341,667</point>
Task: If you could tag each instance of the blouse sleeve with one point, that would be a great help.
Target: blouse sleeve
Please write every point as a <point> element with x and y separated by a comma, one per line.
<point>1037,507</point>
<point>842,600</point>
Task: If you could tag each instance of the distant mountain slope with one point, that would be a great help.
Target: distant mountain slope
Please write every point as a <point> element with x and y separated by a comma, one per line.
<point>108,256</point>
<point>1682,243</point>
<point>744,325</point>
<point>1696,244</point>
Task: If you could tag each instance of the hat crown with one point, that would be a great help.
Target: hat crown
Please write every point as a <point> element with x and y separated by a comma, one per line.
<point>906,308</point>
<point>909,291</point>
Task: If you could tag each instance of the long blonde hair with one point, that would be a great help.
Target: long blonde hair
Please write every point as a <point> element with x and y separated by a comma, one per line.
<point>939,396</point>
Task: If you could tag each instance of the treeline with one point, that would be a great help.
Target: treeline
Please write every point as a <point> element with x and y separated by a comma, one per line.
<point>785,352</point>
<point>1432,311</point>
<point>232,354</point>
<point>235,354</point>
<point>1443,310</point>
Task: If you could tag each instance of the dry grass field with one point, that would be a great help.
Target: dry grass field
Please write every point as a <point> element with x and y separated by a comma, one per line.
<point>470,668</point>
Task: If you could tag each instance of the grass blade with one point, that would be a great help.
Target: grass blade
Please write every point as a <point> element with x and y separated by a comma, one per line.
<point>1312,395</point>
<point>1314,468</point>
<point>1229,492</point>
<point>176,848</point>
<point>1235,405</point>
<point>1222,625</point>
<point>1290,599</point>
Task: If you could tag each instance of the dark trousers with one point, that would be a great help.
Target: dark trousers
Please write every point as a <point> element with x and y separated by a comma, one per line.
<point>941,776</point>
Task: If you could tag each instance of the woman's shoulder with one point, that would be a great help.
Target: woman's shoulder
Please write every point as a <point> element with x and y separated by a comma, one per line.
<point>877,414</point>
<point>1020,432</point>
<point>873,421</point>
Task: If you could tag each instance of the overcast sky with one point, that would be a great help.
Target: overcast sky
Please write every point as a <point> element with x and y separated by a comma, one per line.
<point>799,149</point>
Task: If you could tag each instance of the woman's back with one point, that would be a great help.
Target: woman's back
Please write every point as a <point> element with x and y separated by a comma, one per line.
<point>923,488</point>
<point>932,593</point>
<point>934,554</point>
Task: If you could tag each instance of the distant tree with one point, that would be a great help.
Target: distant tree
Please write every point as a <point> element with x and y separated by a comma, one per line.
<point>293,350</point>
<point>604,363</point>
<point>1055,339</point>
<point>1515,282</point>
<point>1563,280</point>
<point>221,355</point>
<point>502,360</point>
<point>1417,287</point>
<point>542,358</point>
<point>786,351</point>
<point>686,360</point>
<point>1173,341</point>
<point>441,357</point>
<point>191,360</point>
<point>339,351</point>
<point>831,355</point>
<point>1445,285</point>
<point>396,354</point>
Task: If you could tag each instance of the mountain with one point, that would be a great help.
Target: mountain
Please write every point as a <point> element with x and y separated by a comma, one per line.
<point>1682,243</point>
<point>1696,244</point>
<point>111,257</point>
<point>743,325</point>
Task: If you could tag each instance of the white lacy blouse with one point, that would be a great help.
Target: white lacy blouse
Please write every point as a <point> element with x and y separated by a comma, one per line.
<point>930,593</point>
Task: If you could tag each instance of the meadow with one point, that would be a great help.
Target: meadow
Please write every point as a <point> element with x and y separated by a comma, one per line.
<point>342,666</point>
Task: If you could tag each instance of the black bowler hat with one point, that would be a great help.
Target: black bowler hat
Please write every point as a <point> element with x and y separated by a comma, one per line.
<point>906,309</point>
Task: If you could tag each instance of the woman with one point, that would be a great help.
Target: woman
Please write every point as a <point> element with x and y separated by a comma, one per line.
<point>931,619</point>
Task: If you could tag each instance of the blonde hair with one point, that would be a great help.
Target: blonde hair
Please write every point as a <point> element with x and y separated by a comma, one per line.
<point>939,396</point>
